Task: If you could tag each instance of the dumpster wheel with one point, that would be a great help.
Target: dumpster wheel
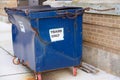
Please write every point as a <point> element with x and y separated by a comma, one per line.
<point>38,76</point>
<point>16,61</point>
<point>74,71</point>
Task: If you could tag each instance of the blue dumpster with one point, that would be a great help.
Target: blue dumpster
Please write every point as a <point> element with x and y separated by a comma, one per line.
<point>47,38</point>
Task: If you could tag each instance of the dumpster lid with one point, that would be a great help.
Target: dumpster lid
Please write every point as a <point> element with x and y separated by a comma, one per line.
<point>41,8</point>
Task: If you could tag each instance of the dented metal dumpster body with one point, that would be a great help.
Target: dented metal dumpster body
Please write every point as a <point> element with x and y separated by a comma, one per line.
<point>46,38</point>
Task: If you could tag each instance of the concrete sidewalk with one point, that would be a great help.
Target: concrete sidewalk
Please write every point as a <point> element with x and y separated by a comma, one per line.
<point>9,71</point>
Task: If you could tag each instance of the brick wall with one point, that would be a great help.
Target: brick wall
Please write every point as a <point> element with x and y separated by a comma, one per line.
<point>6,3</point>
<point>10,3</point>
<point>103,30</point>
<point>101,35</point>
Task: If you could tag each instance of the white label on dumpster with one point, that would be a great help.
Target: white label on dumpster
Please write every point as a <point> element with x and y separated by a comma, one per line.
<point>22,28</point>
<point>56,34</point>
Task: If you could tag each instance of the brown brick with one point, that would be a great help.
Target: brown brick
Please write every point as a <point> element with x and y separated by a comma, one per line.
<point>102,35</point>
<point>7,3</point>
<point>103,20</point>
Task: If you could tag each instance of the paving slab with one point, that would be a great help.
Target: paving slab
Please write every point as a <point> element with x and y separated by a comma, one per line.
<point>66,74</point>
<point>7,45</point>
<point>7,67</point>
<point>5,27</point>
<point>6,36</point>
<point>24,76</point>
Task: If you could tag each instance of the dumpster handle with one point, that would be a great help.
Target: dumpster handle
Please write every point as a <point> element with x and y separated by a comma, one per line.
<point>70,15</point>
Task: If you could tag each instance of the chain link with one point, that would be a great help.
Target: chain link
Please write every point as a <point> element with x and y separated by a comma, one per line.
<point>89,8</point>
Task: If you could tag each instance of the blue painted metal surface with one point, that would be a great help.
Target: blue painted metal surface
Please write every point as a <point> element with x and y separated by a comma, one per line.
<point>32,42</point>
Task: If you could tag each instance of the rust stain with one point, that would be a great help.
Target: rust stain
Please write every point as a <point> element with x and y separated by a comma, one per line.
<point>29,78</point>
<point>26,63</point>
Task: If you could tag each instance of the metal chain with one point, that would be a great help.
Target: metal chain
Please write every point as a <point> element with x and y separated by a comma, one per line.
<point>89,8</point>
